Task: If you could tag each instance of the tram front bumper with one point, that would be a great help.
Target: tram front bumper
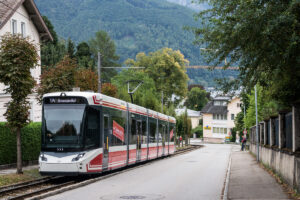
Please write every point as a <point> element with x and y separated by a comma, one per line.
<point>58,168</point>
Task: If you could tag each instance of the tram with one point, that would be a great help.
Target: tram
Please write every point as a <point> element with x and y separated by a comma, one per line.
<point>87,133</point>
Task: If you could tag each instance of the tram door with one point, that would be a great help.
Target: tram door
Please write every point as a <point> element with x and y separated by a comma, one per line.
<point>139,140</point>
<point>105,142</point>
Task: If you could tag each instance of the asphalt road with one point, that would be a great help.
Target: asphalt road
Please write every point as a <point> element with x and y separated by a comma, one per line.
<point>196,175</point>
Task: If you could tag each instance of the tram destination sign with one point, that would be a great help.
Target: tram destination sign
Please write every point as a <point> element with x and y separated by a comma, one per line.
<point>64,100</point>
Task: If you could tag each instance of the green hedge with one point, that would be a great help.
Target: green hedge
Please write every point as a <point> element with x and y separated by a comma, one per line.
<point>31,143</point>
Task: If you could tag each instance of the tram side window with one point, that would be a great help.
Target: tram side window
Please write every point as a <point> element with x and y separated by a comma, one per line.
<point>92,132</point>
<point>118,127</point>
<point>160,132</point>
<point>167,134</point>
<point>133,133</point>
<point>152,130</point>
<point>144,132</point>
<point>172,132</point>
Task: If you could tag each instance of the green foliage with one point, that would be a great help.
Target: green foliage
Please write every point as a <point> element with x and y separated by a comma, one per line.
<point>266,107</point>
<point>183,125</point>
<point>83,56</point>
<point>59,78</point>
<point>31,143</point>
<point>51,51</point>
<point>103,44</point>
<point>17,56</point>
<point>262,37</point>
<point>167,68</point>
<point>135,25</point>
<point>145,96</point>
<point>196,99</point>
<point>199,131</point>
<point>71,48</point>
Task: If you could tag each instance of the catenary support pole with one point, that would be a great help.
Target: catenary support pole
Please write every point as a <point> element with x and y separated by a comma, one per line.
<point>257,141</point>
<point>162,101</point>
<point>99,72</point>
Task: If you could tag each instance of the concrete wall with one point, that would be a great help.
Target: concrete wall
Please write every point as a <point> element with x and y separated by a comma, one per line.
<point>286,165</point>
<point>22,16</point>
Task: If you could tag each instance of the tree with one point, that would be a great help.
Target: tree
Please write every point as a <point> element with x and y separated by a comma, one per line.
<point>86,79</point>
<point>196,99</point>
<point>103,44</point>
<point>167,68</point>
<point>109,89</point>
<point>17,56</point>
<point>51,51</point>
<point>58,78</point>
<point>83,56</point>
<point>71,48</point>
<point>145,96</point>
<point>261,37</point>
<point>266,107</point>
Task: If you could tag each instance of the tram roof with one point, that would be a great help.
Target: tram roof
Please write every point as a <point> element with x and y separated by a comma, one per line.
<point>101,99</point>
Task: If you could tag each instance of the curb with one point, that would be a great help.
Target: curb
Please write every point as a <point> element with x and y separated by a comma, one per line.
<point>225,192</point>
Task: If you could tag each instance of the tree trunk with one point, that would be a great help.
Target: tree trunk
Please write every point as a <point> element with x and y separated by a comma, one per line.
<point>19,152</point>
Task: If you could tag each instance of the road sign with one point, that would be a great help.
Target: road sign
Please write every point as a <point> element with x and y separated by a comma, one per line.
<point>245,131</point>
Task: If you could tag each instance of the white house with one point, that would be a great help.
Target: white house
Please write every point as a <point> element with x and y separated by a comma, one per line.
<point>194,115</point>
<point>218,118</point>
<point>23,17</point>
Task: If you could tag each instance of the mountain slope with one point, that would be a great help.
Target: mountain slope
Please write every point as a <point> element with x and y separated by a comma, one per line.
<point>190,4</point>
<point>135,25</point>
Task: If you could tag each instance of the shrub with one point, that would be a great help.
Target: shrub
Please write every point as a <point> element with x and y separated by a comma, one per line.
<point>31,143</point>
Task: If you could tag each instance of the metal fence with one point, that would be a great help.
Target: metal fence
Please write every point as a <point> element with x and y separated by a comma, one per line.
<point>288,130</point>
<point>276,126</point>
<point>270,130</point>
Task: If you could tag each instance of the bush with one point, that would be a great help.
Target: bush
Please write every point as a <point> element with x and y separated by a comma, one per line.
<point>199,131</point>
<point>31,143</point>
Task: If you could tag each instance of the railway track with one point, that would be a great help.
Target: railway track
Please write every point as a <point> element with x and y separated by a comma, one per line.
<point>46,186</point>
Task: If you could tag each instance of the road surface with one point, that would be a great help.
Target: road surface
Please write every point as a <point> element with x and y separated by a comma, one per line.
<point>199,174</point>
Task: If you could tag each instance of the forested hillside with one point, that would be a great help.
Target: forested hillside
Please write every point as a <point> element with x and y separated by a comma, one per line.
<point>207,77</point>
<point>135,25</point>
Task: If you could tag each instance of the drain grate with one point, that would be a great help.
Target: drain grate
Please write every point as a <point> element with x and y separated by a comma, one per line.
<point>132,197</point>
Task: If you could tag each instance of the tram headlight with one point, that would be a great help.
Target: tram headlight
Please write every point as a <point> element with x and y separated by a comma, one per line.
<point>78,157</point>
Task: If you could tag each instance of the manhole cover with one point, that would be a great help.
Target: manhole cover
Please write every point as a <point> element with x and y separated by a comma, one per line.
<point>132,197</point>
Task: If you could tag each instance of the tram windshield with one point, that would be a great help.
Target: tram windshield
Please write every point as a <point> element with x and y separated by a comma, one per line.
<point>63,125</point>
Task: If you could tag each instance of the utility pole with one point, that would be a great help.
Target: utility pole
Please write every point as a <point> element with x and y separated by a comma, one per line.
<point>99,72</point>
<point>162,101</point>
<point>257,142</point>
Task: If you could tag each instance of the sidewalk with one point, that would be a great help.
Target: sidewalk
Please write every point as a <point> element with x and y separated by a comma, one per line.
<point>13,170</point>
<point>248,180</point>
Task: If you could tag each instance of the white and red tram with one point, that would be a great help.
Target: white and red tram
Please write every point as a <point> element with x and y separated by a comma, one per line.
<point>85,132</point>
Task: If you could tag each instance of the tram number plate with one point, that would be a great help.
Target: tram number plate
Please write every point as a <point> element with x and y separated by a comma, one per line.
<point>60,149</point>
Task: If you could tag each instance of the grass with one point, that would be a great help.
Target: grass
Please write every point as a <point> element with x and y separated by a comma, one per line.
<point>28,175</point>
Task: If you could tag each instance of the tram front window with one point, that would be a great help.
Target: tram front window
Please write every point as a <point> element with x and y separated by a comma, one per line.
<point>63,126</point>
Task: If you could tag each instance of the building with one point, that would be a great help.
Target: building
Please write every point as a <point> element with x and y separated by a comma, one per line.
<point>23,17</point>
<point>194,115</point>
<point>218,118</point>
